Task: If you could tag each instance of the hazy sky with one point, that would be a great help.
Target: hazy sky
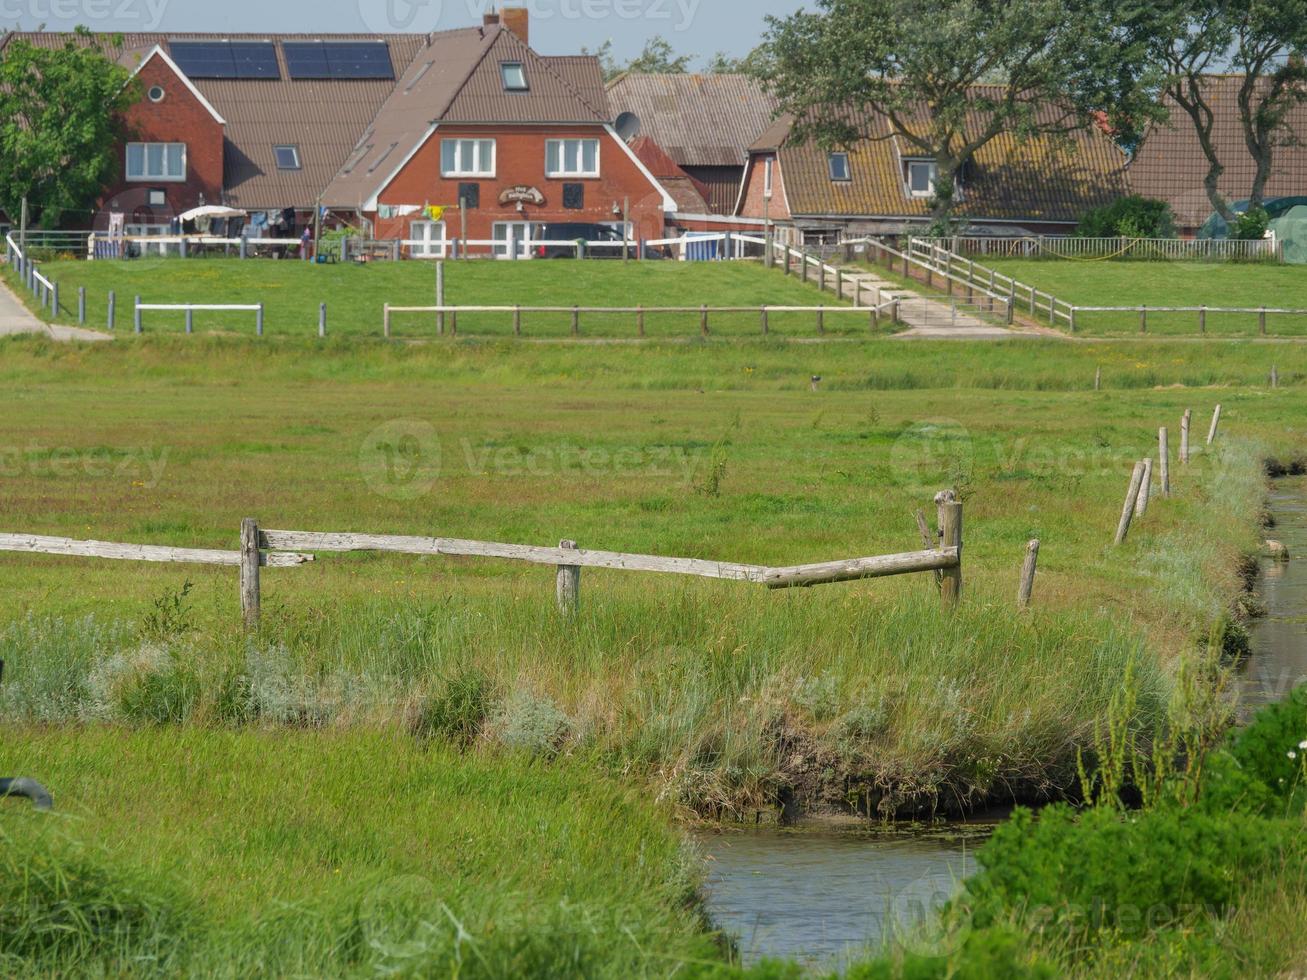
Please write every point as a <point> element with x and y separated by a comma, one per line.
<point>699,27</point>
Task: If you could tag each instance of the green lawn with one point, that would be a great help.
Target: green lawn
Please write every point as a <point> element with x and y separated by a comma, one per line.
<point>1174,284</point>
<point>355,296</point>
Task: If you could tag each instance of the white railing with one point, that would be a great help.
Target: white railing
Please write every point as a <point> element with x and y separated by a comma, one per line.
<point>1101,249</point>
<point>1034,302</point>
<point>191,308</point>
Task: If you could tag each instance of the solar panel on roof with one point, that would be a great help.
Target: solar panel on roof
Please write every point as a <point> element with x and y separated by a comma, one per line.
<point>308,60</point>
<point>226,59</point>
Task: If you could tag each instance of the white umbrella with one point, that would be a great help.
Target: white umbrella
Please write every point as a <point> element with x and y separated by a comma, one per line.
<point>212,211</point>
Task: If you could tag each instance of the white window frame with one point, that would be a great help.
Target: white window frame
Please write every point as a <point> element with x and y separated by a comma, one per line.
<point>431,235</point>
<point>295,151</point>
<point>933,170</point>
<point>474,167</point>
<point>848,167</point>
<point>143,176</point>
<point>561,149</point>
<point>769,177</point>
<point>520,69</point>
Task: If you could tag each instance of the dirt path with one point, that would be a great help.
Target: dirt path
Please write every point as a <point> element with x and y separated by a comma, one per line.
<point>15,319</point>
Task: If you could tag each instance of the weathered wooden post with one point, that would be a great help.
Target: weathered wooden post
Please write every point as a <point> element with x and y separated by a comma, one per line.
<point>1275,376</point>
<point>1098,380</point>
<point>1143,319</point>
<point>1164,457</point>
<point>113,308</point>
<point>137,318</point>
<point>1027,590</point>
<point>517,320</point>
<point>821,320</point>
<point>1131,500</point>
<point>1202,319</point>
<point>385,321</point>
<point>190,320</point>
<point>766,327</point>
<point>250,561</point>
<point>1261,321</point>
<point>54,299</point>
<point>1145,490</point>
<point>703,320</point>
<point>576,321</point>
<point>639,320</point>
<point>1186,422</point>
<point>322,319</point>
<point>258,321</point>
<point>1216,426</point>
<point>569,583</point>
<point>950,529</point>
<point>803,265</point>
<point>81,305</point>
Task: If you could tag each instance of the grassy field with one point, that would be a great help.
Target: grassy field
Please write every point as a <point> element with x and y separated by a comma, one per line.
<point>1174,284</point>
<point>355,295</point>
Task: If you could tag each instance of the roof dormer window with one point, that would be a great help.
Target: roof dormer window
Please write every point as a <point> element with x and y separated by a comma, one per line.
<point>919,177</point>
<point>839,168</point>
<point>514,74</point>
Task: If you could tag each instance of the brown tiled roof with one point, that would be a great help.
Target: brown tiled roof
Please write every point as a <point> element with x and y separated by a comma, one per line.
<point>457,79</point>
<point>721,186</point>
<point>1042,179</point>
<point>324,118</point>
<point>1171,165</point>
<point>690,196</point>
<point>701,120</point>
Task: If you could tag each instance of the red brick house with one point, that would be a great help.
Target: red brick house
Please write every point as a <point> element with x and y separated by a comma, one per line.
<point>380,132</point>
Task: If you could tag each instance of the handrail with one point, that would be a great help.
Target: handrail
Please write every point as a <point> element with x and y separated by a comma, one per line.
<point>943,261</point>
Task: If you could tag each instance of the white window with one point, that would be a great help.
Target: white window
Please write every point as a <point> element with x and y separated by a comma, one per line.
<point>839,167</point>
<point>288,157</point>
<point>572,158</point>
<point>921,177</point>
<point>467,158</point>
<point>428,240</point>
<point>514,73</point>
<point>768,169</point>
<point>156,161</point>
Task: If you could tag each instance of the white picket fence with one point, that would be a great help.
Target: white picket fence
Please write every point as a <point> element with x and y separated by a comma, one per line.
<point>1088,249</point>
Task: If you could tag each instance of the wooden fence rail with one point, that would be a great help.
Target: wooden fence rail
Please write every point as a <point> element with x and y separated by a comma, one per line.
<point>287,549</point>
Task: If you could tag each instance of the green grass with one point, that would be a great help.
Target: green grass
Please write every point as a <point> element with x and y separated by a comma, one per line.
<point>1174,284</point>
<point>355,296</point>
<point>226,854</point>
<point>703,689</point>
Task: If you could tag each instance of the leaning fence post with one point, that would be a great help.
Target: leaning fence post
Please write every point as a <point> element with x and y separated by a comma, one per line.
<point>1185,422</point>
<point>1145,490</point>
<point>1164,457</point>
<point>569,583</point>
<point>950,529</point>
<point>1131,501</point>
<point>250,572</point>
<point>137,325</point>
<point>1216,426</point>
<point>1028,570</point>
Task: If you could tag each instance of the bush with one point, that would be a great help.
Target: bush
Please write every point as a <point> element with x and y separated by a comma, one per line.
<point>1273,749</point>
<point>1251,225</point>
<point>984,954</point>
<point>1129,217</point>
<point>458,712</point>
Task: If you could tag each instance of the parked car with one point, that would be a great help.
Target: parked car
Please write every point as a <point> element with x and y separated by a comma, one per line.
<point>573,232</point>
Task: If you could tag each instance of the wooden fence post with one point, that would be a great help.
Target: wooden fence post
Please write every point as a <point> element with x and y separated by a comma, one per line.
<point>250,573</point>
<point>950,529</point>
<point>517,321</point>
<point>190,320</point>
<point>1185,423</point>
<point>1098,380</point>
<point>322,319</point>
<point>385,321</point>
<point>576,321</point>
<point>1145,490</point>
<point>1028,570</point>
<point>639,320</point>
<point>258,321</point>
<point>1164,455</point>
<point>1275,376</point>
<point>440,296</point>
<point>1202,319</point>
<point>703,320</point>
<point>1131,501</point>
<point>81,305</point>
<point>1216,426</point>
<point>1143,319</point>
<point>113,309</point>
<point>569,583</point>
<point>1261,321</point>
<point>766,326</point>
<point>821,320</point>
<point>137,320</point>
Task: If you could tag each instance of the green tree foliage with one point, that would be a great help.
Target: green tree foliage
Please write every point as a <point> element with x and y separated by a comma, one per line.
<point>1262,40</point>
<point>657,58</point>
<point>1129,217</point>
<point>951,76</point>
<point>60,125</point>
<point>754,63</point>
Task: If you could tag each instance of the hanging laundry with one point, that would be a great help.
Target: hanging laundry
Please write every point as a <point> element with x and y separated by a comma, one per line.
<point>385,212</point>
<point>404,210</point>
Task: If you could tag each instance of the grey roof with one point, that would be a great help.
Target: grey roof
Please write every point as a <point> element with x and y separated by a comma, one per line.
<point>700,120</point>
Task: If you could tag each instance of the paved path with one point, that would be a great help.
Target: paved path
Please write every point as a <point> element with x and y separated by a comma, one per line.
<point>15,319</point>
<point>927,319</point>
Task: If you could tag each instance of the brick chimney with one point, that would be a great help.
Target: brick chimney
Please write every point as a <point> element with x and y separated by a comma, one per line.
<point>517,20</point>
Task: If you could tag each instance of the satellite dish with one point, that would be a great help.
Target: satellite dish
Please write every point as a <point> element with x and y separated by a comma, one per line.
<point>628,126</point>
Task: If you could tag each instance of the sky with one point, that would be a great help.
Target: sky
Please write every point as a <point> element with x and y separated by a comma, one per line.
<point>698,27</point>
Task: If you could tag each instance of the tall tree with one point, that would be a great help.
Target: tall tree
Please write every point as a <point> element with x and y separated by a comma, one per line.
<point>1262,40</point>
<point>951,76</point>
<point>657,58</point>
<point>60,124</point>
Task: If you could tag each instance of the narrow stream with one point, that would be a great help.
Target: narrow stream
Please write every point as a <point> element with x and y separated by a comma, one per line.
<point>826,896</point>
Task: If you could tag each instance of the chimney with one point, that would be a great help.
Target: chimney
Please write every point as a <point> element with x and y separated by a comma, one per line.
<point>517,20</point>
<point>490,20</point>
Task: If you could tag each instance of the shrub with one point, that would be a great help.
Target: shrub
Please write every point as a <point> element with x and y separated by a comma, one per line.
<point>458,711</point>
<point>1273,749</point>
<point>532,724</point>
<point>1129,217</point>
<point>1251,225</point>
<point>149,684</point>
